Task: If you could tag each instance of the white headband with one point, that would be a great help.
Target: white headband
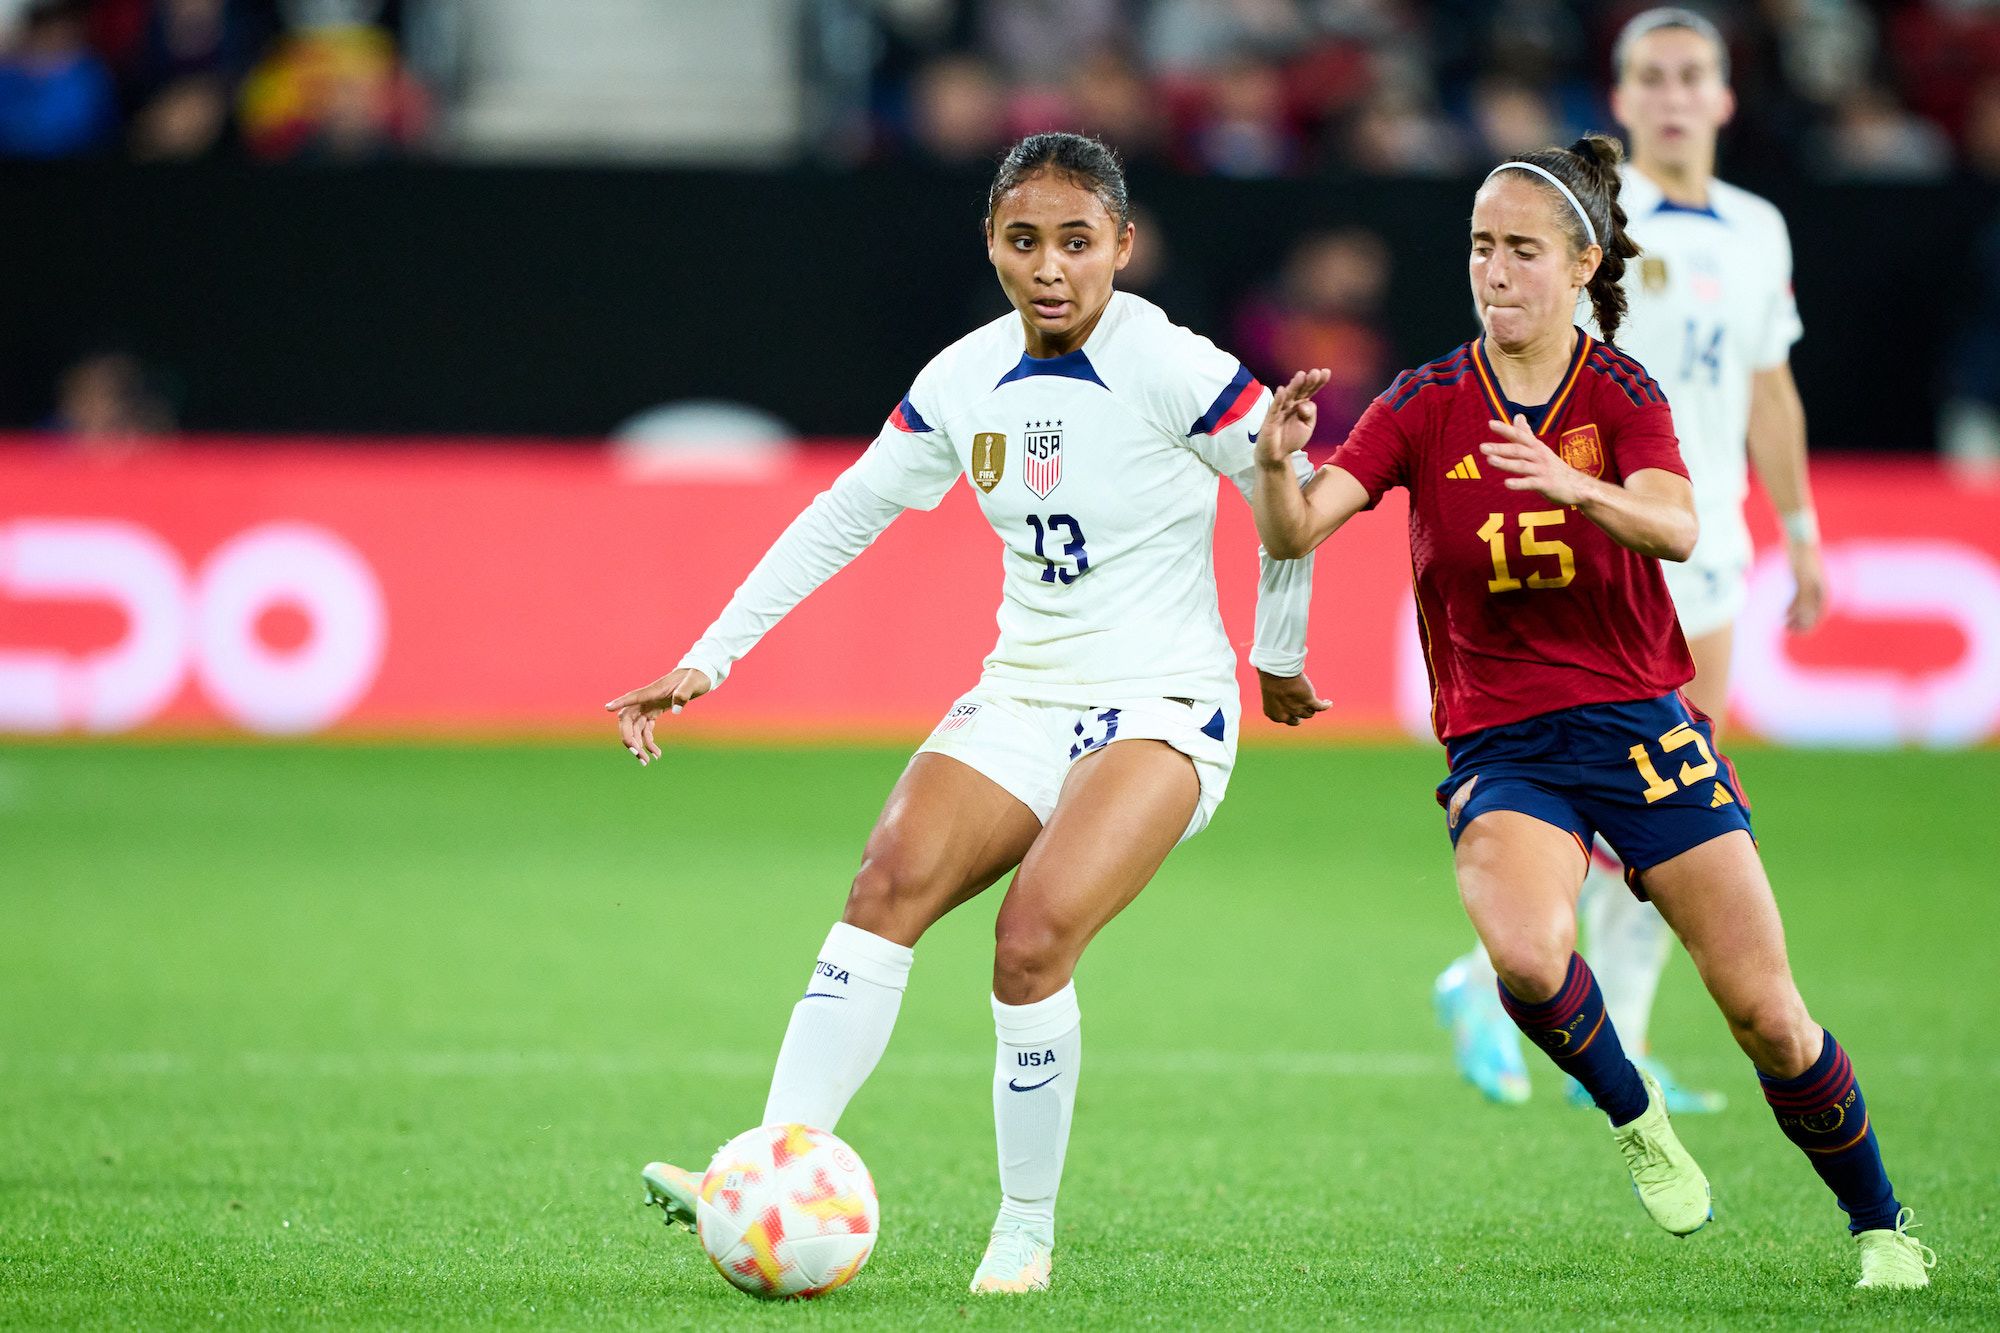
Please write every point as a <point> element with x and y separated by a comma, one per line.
<point>1550,177</point>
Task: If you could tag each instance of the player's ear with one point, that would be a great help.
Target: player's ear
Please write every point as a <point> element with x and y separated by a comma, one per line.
<point>1586,264</point>
<point>1125,240</point>
<point>1728,105</point>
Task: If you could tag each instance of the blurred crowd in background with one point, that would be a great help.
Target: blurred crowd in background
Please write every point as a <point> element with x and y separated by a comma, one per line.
<point>156,79</point>
<point>1830,91</point>
<point>1842,89</point>
<point>1251,88</point>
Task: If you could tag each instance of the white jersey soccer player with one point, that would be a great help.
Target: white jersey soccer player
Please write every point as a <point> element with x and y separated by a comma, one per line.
<point>1103,727</point>
<point>1097,471</point>
<point>1709,306</point>
<point>1710,314</point>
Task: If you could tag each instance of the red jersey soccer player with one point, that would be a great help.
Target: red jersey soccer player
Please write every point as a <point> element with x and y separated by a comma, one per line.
<point>1556,662</point>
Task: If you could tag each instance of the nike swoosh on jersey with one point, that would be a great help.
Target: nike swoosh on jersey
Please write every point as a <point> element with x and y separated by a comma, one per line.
<point>1032,1086</point>
<point>822,995</point>
<point>1254,434</point>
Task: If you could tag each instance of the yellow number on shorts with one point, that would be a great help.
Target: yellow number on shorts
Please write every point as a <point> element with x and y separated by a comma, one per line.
<point>1679,737</point>
<point>1494,533</point>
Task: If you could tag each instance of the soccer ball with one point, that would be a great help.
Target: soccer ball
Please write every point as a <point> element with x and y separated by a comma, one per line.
<point>787,1212</point>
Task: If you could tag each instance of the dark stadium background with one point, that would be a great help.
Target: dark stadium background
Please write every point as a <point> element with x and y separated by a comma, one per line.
<point>420,299</point>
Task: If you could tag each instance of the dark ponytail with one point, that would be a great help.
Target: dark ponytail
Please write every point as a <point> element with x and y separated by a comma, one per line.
<point>1589,167</point>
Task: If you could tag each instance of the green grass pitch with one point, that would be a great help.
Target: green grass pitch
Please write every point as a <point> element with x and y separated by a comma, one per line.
<point>367,1037</point>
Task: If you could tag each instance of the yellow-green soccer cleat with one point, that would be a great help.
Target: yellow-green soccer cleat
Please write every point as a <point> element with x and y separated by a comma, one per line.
<point>1018,1258</point>
<point>1664,1176</point>
<point>672,1191</point>
<point>1893,1258</point>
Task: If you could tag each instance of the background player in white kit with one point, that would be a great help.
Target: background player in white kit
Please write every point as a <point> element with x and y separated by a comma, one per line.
<point>1711,316</point>
<point>1104,725</point>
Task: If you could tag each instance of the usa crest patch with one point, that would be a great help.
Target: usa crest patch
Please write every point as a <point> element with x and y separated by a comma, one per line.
<point>1042,464</point>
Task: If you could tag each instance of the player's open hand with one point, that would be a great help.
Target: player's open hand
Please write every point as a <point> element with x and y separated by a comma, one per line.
<point>1535,466</point>
<point>1290,699</point>
<point>637,710</point>
<point>1291,417</point>
<point>1809,588</point>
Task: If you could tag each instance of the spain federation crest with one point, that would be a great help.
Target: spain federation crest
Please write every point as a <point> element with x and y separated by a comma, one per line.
<point>1042,449</point>
<point>989,460</point>
<point>1582,450</point>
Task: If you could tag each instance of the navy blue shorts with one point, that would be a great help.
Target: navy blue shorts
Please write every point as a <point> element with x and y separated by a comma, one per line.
<point>1644,774</point>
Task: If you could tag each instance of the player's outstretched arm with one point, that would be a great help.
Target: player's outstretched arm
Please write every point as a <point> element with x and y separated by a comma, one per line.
<point>1652,513</point>
<point>638,708</point>
<point>1291,521</point>
<point>836,527</point>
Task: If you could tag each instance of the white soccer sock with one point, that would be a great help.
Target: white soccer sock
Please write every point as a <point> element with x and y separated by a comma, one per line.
<point>1034,1098</point>
<point>840,1029</point>
<point>1627,943</point>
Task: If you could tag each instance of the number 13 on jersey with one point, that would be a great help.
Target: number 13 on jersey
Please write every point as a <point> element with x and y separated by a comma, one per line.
<point>1072,548</point>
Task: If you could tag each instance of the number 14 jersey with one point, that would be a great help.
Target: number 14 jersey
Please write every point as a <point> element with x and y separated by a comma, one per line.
<point>1525,607</point>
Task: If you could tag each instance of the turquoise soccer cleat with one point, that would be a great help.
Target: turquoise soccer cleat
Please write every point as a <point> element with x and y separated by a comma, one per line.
<point>1485,1044</point>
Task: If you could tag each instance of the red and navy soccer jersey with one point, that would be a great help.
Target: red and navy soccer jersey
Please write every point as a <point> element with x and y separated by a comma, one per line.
<point>1525,607</point>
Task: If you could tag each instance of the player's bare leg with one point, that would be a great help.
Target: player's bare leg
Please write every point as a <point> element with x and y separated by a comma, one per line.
<point>1518,877</point>
<point>1625,938</point>
<point>1720,903</point>
<point>1121,811</point>
<point>1709,690</point>
<point>945,834</point>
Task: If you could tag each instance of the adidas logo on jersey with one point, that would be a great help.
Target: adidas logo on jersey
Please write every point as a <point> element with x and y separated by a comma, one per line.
<point>1721,798</point>
<point>1466,470</point>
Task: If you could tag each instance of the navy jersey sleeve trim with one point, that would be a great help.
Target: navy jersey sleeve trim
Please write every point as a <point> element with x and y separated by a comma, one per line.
<point>1443,371</point>
<point>1237,397</point>
<point>907,419</point>
<point>1627,374</point>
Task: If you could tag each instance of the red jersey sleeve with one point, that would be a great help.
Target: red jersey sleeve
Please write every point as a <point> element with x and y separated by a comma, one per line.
<point>1376,452</point>
<point>1643,437</point>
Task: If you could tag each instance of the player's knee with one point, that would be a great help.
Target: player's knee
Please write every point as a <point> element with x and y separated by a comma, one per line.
<point>1777,1033</point>
<point>1532,958</point>
<point>892,896</point>
<point>1032,957</point>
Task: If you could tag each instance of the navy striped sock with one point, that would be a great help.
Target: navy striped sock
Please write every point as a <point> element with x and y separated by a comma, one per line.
<point>1822,1111</point>
<point>1577,1034</point>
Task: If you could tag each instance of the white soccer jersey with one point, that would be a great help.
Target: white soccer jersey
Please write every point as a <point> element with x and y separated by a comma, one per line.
<point>1710,303</point>
<point>1098,472</point>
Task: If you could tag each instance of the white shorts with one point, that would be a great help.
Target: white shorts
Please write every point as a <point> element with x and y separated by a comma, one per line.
<point>1026,748</point>
<point>1708,594</point>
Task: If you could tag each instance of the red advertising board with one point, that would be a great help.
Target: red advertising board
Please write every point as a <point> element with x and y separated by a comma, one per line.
<point>304,587</point>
